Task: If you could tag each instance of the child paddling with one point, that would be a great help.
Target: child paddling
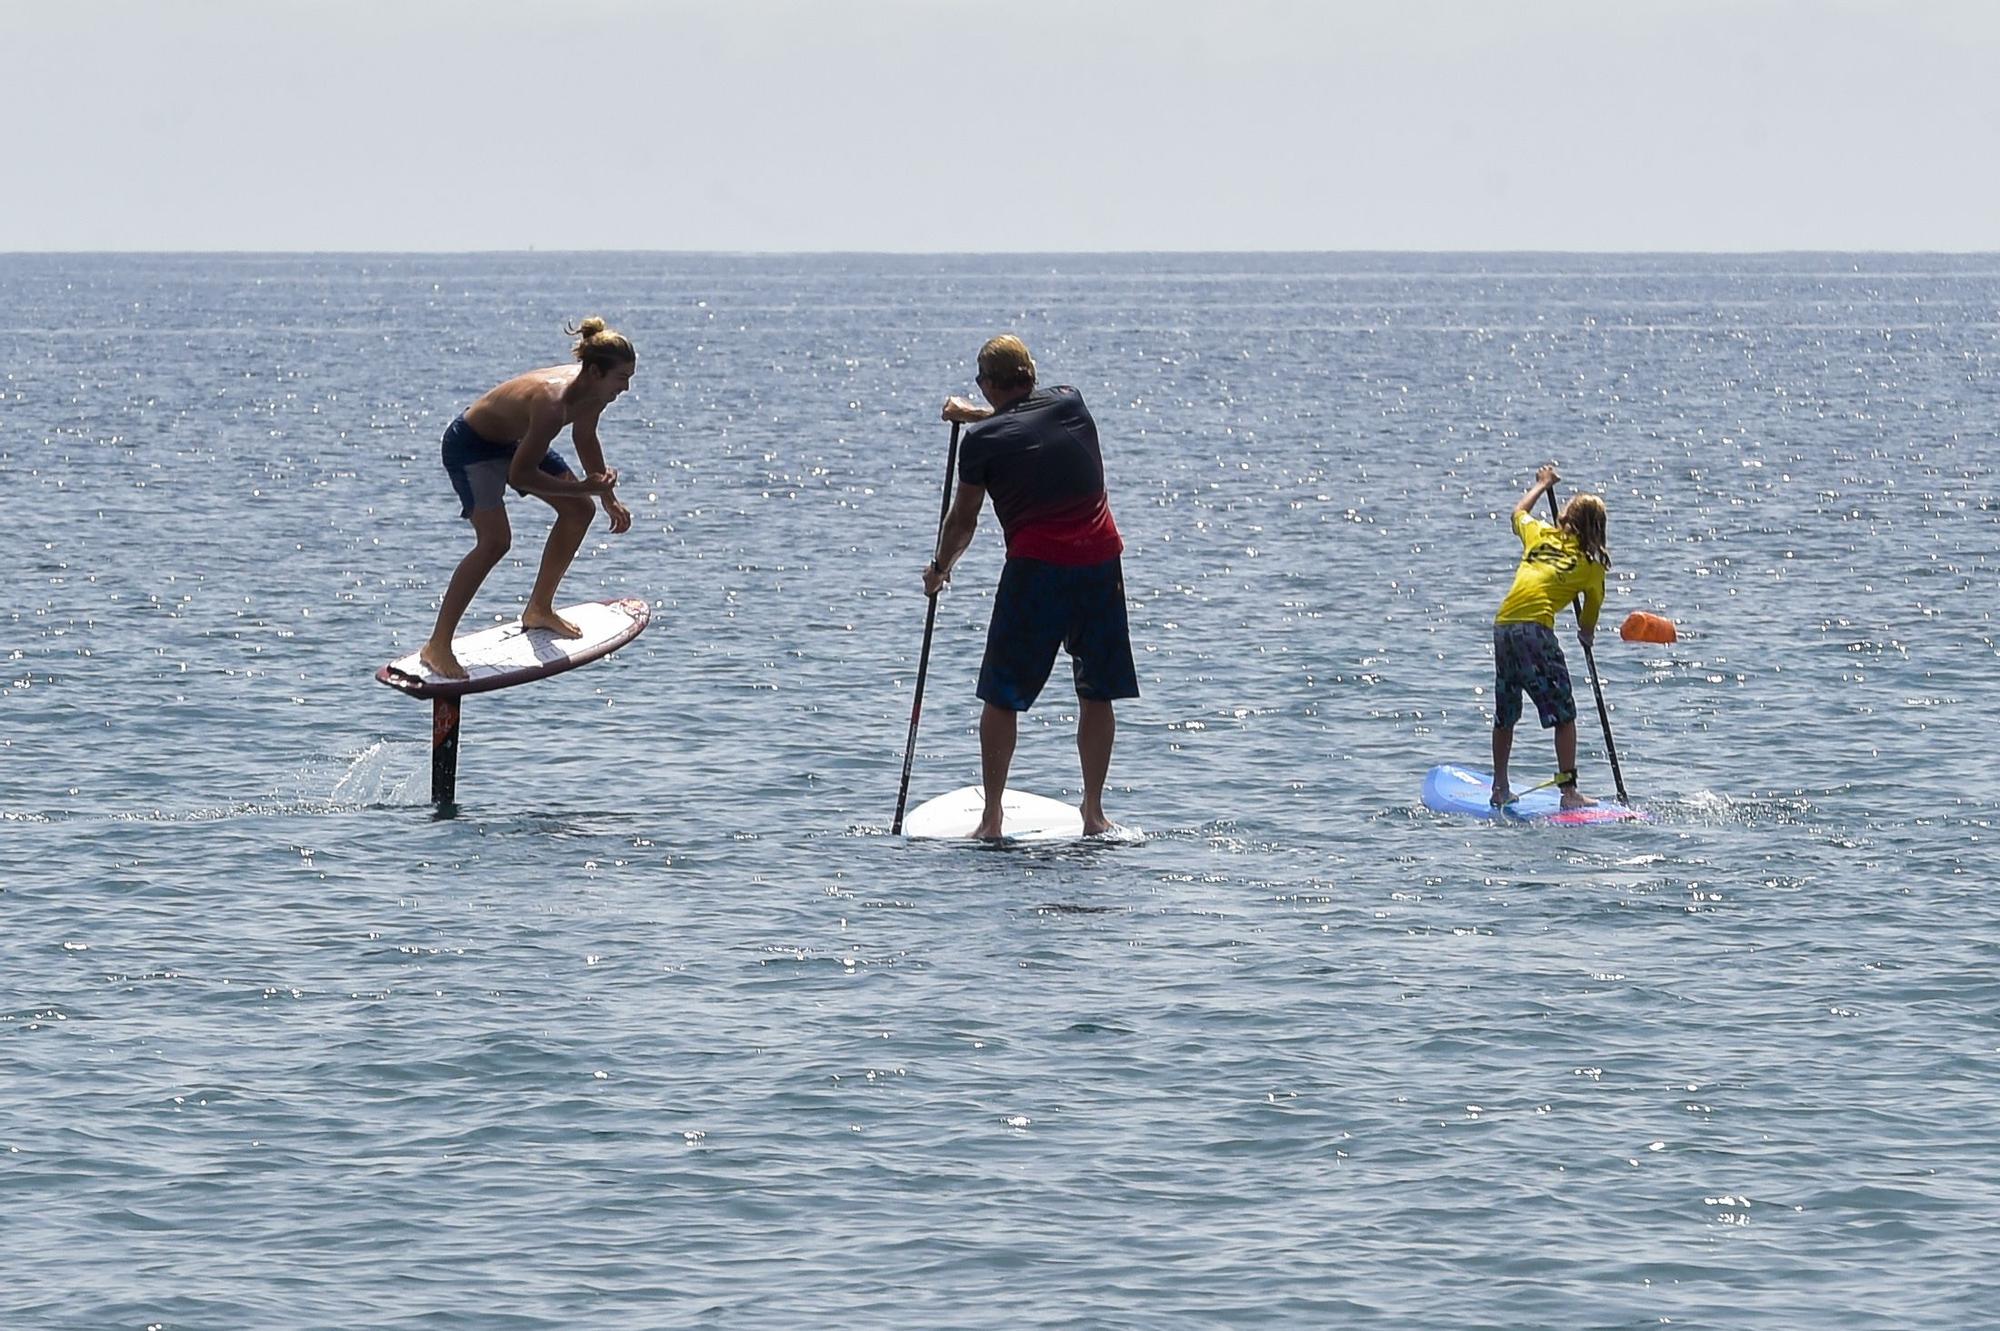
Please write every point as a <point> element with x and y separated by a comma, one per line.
<point>1559,564</point>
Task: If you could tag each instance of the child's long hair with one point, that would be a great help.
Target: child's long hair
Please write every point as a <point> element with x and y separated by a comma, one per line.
<point>1583,517</point>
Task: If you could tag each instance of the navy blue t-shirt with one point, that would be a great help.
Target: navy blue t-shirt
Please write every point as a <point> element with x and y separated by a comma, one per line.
<point>1039,460</point>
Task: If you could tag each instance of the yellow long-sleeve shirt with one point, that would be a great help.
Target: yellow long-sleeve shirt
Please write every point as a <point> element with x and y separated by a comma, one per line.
<point>1553,573</point>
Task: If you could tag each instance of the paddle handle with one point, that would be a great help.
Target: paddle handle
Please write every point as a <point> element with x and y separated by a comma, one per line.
<point>1596,684</point>
<point>924,657</point>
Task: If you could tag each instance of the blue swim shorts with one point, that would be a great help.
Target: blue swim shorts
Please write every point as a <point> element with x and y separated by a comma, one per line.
<point>1527,656</point>
<point>1042,606</point>
<point>478,467</point>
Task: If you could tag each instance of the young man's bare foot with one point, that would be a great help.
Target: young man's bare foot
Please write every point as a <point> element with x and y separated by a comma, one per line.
<point>1574,799</point>
<point>534,617</point>
<point>989,825</point>
<point>1095,823</point>
<point>1502,797</point>
<point>439,661</point>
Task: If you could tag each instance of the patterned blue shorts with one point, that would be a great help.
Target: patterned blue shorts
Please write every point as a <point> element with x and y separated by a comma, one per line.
<point>1527,656</point>
<point>1042,606</point>
<point>478,467</point>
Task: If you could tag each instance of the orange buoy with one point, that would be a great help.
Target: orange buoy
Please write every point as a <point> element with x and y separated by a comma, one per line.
<point>1639,626</point>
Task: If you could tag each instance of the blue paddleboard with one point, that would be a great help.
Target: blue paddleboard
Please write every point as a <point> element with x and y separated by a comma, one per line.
<point>1460,790</point>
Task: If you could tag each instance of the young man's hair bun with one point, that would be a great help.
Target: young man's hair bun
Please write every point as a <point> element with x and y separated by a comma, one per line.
<point>597,345</point>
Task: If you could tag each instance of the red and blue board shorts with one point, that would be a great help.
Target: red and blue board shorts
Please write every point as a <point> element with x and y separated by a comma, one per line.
<point>1527,656</point>
<point>1042,606</point>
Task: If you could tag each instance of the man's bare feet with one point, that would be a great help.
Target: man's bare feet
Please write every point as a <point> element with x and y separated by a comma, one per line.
<point>989,825</point>
<point>1502,797</point>
<point>1574,799</point>
<point>439,661</point>
<point>535,617</point>
<point>1095,823</point>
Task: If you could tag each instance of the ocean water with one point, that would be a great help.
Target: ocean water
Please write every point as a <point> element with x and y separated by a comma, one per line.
<point>664,1029</point>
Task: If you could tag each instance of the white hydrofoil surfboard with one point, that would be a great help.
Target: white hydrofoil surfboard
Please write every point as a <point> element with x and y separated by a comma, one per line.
<point>1023,817</point>
<point>508,654</point>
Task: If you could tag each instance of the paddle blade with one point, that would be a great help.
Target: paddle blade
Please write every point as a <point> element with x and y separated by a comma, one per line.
<point>1640,626</point>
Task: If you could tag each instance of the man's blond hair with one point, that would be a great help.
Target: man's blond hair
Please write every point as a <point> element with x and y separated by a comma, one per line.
<point>1004,362</point>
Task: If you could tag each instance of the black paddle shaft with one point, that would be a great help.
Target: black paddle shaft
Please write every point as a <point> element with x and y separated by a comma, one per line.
<point>1596,684</point>
<point>924,657</point>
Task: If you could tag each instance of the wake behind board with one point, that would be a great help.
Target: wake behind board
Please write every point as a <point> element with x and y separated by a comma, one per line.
<point>1460,790</point>
<point>1023,817</point>
<point>509,654</point>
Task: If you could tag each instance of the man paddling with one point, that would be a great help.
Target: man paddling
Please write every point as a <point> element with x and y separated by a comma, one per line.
<point>1063,585</point>
<point>503,440</point>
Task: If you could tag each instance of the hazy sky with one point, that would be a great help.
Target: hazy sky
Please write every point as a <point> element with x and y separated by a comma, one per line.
<point>1000,124</point>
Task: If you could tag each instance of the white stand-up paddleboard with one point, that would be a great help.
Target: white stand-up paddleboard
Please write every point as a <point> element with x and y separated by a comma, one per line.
<point>508,654</point>
<point>1023,817</point>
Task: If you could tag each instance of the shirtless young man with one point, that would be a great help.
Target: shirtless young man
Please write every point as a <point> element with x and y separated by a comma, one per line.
<point>503,439</point>
<point>1063,585</point>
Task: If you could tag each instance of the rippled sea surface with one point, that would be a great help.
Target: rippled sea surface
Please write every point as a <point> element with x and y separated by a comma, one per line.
<point>665,1029</point>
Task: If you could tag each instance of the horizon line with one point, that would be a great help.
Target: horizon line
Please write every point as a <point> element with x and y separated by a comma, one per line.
<point>950,253</point>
